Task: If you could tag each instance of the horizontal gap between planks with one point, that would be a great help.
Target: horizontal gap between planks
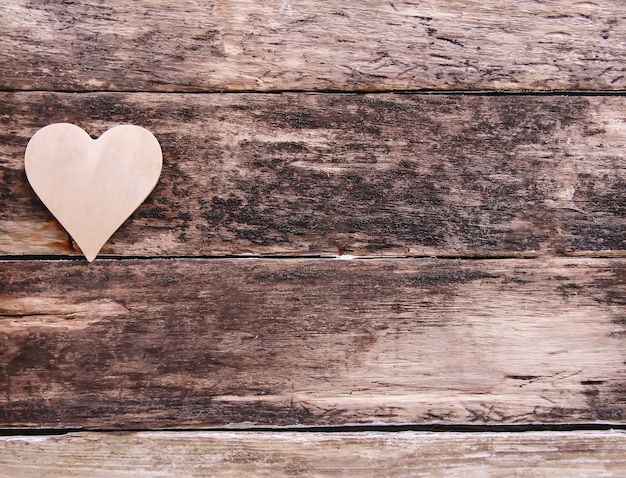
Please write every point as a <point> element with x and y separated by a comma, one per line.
<point>345,257</point>
<point>79,258</point>
<point>7,432</point>
<point>345,92</point>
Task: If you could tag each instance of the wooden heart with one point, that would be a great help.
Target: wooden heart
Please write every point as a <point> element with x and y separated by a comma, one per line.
<point>92,186</point>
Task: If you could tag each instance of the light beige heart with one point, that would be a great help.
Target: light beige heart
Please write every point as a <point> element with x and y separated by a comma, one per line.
<point>92,186</point>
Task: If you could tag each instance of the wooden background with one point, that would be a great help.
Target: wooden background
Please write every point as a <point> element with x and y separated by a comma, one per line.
<point>389,240</point>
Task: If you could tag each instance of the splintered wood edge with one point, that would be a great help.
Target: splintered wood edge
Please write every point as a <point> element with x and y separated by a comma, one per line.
<point>277,454</point>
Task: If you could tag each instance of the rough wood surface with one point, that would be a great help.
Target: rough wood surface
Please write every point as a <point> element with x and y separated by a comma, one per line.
<point>159,45</point>
<point>188,343</point>
<point>230,454</point>
<point>380,174</point>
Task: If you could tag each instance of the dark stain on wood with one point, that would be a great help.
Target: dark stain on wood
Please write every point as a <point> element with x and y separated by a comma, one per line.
<point>156,343</point>
<point>362,174</point>
<point>446,277</point>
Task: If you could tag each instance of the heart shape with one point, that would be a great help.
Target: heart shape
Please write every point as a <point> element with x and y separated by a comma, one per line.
<point>92,186</point>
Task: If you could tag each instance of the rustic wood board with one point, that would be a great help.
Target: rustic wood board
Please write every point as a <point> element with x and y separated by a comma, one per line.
<point>380,174</point>
<point>196,343</point>
<point>230,454</point>
<point>159,45</point>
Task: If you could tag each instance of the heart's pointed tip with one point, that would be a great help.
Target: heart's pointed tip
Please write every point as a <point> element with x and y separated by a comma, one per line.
<point>89,250</point>
<point>91,255</point>
<point>90,258</point>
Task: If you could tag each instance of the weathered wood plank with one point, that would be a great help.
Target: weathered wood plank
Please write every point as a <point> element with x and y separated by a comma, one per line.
<point>188,343</point>
<point>158,454</point>
<point>186,45</point>
<point>380,174</point>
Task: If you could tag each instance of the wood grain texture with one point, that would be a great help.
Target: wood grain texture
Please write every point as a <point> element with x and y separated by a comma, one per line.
<point>230,454</point>
<point>195,343</point>
<point>380,174</point>
<point>260,45</point>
